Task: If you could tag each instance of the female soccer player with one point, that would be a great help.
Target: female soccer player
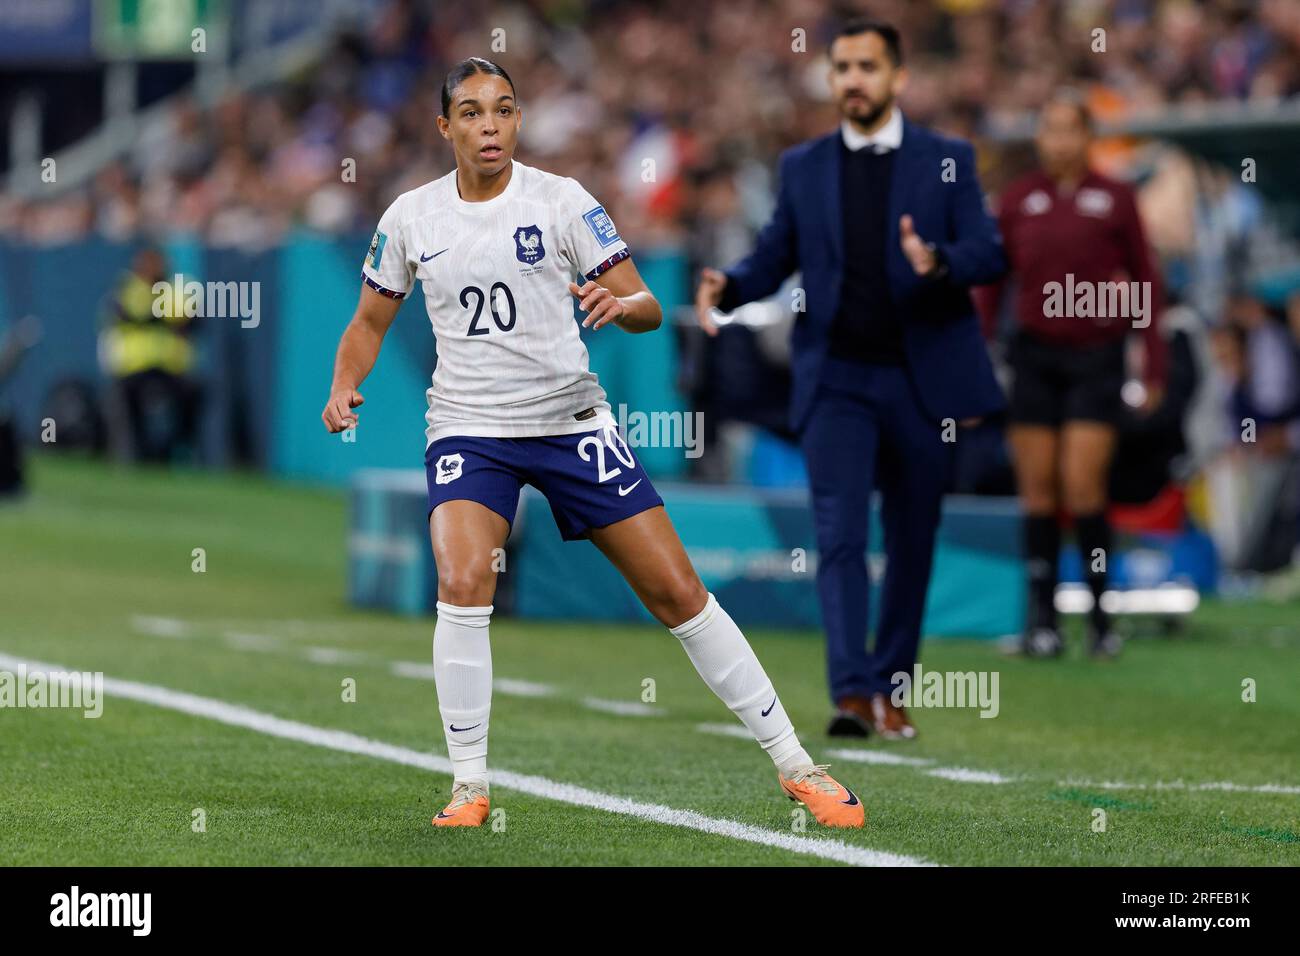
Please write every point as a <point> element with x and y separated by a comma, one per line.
<point>497,245</point>
<point>1067,227</point>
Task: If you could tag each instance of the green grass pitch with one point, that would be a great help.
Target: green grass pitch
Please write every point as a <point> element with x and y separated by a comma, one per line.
<point>97,576</point>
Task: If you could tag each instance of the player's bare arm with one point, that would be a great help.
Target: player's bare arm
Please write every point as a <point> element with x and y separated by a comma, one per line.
<point>356,356</point>
<point>620,296</point>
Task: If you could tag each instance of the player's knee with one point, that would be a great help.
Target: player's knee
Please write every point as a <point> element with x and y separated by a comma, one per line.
<point>465,587</point>
<point>1083,494</point>
<point>680,599</point>
<point>1085,500</point>
<point>1038,497</point>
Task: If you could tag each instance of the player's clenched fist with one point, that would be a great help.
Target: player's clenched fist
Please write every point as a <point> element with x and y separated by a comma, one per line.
<point>599,303</point>
<point>338,414</point>
<point>707,297</point>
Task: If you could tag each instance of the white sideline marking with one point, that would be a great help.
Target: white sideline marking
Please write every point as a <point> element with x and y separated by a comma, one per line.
<point>502,685</point>
<point>170,627</point>
<point>521,688</point>
<point>412,669</point>
<point>160,626</point>
<point>332,655</point>
<point>879,757</point>
<point>739,731</point>
<point>1226,785</point>
<point>235,715</point>
<point>966,775</point>
<point>251,642</point>
<point>173,627</point>
<point>624,708</point>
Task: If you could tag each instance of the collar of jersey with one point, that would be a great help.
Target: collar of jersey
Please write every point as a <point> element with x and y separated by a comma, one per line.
<point>495,201</point>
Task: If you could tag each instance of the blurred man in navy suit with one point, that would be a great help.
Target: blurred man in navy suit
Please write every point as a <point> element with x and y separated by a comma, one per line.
<point>888,226</point>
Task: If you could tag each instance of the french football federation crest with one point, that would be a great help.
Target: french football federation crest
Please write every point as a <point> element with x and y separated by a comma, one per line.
<point>448,468</point>
<point>528,245</point>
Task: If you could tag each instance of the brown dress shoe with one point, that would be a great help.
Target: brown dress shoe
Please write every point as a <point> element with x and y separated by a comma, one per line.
<point>889,720</point>
<point>852,718</point>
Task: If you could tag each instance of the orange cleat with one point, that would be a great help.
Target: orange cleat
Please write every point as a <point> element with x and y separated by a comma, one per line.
<point>468,808</point>
<point>832,803</point>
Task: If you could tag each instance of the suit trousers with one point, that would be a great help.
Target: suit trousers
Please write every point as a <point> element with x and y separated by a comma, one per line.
<point>866,430</point>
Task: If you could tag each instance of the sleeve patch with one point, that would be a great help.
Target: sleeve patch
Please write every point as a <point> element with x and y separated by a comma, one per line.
<point>601,226</point>
<point>376,253</point>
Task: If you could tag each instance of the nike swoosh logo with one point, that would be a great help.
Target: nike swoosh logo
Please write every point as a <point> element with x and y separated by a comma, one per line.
<point>456,730</point>
<point>443,816</point>
<point>769,707</point>
<point>852,801</point>
<point>622,491</point>
<point>424,258</point>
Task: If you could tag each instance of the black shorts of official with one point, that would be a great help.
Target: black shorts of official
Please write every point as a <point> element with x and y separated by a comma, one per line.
<point>1055,383</point>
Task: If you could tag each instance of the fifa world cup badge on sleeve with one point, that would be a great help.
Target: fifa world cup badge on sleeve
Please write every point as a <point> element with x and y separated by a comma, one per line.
<point>601,226</point>
<point>376,252</point>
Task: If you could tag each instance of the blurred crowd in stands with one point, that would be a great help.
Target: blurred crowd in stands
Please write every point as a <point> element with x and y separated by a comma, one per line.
<point>673,112</point>
<point>710,91</point>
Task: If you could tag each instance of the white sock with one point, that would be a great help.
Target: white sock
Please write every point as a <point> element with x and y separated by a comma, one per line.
<point>728,665</point>
<point>462,672</point>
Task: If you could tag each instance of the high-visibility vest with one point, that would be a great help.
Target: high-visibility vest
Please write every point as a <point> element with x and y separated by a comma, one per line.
<point>137,340</point>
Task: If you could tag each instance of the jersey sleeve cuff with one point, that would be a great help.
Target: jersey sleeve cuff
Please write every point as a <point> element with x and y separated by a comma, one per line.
<point>613,260</point>
<point>392,294</point>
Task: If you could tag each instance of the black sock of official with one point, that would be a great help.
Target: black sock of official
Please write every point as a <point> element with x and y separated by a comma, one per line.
<point>1094,536</point>
<point>1042,553</point>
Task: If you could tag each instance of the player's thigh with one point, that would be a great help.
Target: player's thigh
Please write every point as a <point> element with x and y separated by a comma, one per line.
<point>648,553</point>
<point>467,539</point>
<point>1087,448</point>
<point>1034,455</point>
<point>474,486</point>
<point>598,489</point>
<point>590,480</point>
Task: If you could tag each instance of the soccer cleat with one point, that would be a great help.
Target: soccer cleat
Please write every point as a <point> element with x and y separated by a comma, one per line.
<point>1043,642</point>
<point>468,808</point>
<point>832,803</point>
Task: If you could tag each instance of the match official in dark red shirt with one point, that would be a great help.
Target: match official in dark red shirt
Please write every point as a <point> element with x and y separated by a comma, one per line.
<point>1085,279</point>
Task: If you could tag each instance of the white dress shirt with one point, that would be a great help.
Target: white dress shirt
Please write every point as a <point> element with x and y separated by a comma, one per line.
<point>889,136</point>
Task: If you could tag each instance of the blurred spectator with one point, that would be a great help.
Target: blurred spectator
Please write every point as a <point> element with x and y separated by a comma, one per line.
<point>1252,482</point>
<point>614,85</point>
<point>146,348</point>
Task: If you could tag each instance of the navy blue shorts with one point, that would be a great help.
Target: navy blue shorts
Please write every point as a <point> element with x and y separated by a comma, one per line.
<point>590,479</point>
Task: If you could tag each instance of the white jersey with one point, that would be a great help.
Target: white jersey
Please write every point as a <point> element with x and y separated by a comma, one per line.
<point>496,274</point>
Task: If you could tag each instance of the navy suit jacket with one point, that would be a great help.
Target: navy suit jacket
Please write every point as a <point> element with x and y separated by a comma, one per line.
<point>946,356</point>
